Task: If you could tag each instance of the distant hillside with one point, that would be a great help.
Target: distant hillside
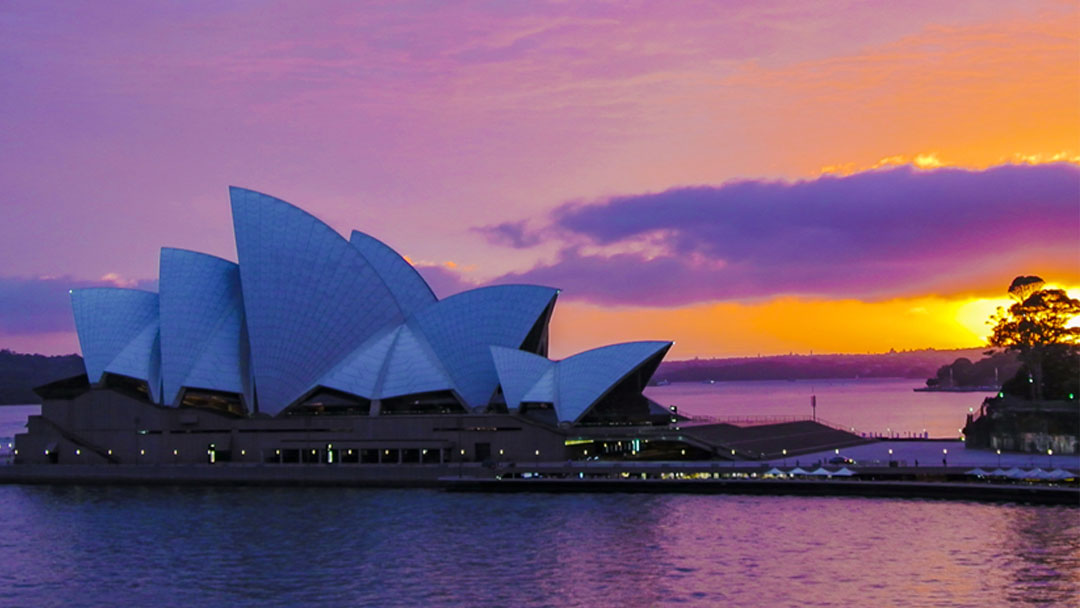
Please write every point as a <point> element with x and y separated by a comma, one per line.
<point>920,364</point>
<point>990,371</point>
<point>20,373</point>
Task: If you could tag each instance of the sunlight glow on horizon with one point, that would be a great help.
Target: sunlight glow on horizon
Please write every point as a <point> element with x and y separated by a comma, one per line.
<point>425,124</point>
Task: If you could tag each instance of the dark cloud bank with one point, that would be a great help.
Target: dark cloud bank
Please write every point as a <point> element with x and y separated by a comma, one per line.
<point>876,234</point>
<point>31,306</point>
<point>871,235</point>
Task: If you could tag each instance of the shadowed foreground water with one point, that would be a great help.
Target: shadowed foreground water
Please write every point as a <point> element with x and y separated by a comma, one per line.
<point>86,546</point>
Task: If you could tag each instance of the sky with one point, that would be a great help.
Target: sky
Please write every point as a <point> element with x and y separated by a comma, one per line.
<point>743,178</point>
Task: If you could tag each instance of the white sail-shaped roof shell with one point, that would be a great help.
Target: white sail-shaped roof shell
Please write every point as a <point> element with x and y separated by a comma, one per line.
<point>107,320</point>
<point>141,359</point>
<point>203,342</point>
<point>575,384</point>
<point>392,364</point>
<point>462,328</point>
<point>519,372</point>
<point>309,296</point>
<point>358,373</point>
<point>304,309</point>
<point>410,290</point>
<point>412,368</point>
<point>586,377</point>
<point>546,389</point>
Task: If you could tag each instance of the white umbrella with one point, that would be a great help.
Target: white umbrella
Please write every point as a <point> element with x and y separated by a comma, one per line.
<point>999,473</point>
<point>1060,474</point>
<point>797,471</point>
<point>1017,473</point>
<point>774,472</point>
<point>844,472</point>
<point>821,472</point>
<point>977,472</point>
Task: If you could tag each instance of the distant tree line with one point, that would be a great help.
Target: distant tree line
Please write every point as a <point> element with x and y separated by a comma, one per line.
<point>989,371</point>
<point>20,373</point>
<point>909,364</point>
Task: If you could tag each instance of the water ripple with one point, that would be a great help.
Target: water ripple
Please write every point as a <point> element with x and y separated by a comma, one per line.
<point>75,546</point>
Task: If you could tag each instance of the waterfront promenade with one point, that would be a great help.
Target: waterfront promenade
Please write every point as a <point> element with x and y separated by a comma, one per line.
<point>871,475</point>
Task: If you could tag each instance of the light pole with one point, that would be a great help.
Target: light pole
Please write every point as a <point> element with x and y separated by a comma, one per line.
<point>1049,458</point>
<point>999,457</point>
<point>945,457</point>
<point>785,456</point>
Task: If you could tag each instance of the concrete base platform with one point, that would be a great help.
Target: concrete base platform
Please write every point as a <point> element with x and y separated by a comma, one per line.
<point>237,474</point>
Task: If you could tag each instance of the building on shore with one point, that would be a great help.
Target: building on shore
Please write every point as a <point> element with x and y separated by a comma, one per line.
<point>1013,424</point>
<point>317,349</point>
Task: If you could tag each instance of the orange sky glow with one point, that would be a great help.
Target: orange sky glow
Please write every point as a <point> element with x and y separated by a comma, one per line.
<point>427,126</point>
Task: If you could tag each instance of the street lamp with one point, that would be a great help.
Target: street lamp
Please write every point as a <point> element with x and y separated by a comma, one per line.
<point>1049,458</point>
<point>785,456</point>
<point>999,457</point>
<point>945,457</point>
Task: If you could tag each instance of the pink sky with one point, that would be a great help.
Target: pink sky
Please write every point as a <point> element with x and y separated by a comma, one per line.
<point>428,124</point>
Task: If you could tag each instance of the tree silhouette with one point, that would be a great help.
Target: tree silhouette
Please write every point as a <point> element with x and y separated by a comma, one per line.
<point>1023,287</point>
<point>1037,328</point>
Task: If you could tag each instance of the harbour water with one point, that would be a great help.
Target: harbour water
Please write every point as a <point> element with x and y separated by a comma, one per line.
<point>879,406</point>
<point>161,546</point>
<point>183,546</point>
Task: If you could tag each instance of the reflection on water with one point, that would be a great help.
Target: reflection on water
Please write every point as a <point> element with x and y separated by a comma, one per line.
<point>873,405</point>
<point>289,546</point>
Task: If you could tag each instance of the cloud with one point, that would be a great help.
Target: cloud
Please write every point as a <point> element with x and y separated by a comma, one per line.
<point>30,306</point>
<point>874,234</point>
<point>510,234</point>
<point>445,280</point>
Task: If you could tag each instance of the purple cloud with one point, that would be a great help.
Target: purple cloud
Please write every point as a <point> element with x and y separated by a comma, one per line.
<point>875,234</point>
<point>510,234</point>
<point>30,306</point>
<point>444,281</point>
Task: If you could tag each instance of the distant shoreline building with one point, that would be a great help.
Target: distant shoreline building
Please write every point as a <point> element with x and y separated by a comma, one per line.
<point>1012,424</point>
<point>317,349</point>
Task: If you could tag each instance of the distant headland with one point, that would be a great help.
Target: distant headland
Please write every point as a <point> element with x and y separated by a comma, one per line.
<point>915,364</point>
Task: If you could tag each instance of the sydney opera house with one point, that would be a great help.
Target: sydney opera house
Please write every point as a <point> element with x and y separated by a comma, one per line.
<point>312,340</point>
<point>314,349</point>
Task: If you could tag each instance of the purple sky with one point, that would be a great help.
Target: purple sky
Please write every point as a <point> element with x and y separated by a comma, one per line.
<point>877,234</point>
<point>649,154</point>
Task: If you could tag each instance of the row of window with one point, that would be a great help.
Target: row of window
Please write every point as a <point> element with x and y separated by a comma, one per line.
<point>331,455</point>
